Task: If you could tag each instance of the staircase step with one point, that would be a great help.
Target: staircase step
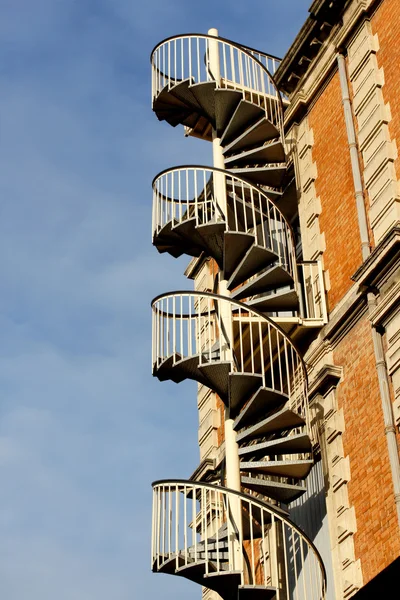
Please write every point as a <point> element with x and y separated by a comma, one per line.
<point>225,584</point>
<point>193,571</point>
<point>172,250</point>
<point>212,235</point>
<point>170,240</point>
<point>282,492</point>
<point>245,115</point>
<point>226,102</point>
<point>281,420</point>
<point>204,94</point>
<point>297,469</point>
<point>255,259</point>
<point>220,556</point>
<point>294,444</point>
<point>182,92</point>
<point>170,564</point>
<point>241,387</point>
<point>262,174</point>
<point>168,97</point>
<point>188,231</point>
<point>212,544</point>
<point>191,120</point>
<point>281,300</point>
<point>272,278</point>
<point>216,374</point>
<point>177,249</point>
<point>255,133</point>
<point>236,244</point>
<point>174,117</point>
<point>256,592</point>
<point>175,368</point>
<point>263,401</point>
<point>269,152</point>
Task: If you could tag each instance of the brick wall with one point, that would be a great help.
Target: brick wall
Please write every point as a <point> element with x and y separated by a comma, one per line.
<point>377,540</point>
<point>334,186</point>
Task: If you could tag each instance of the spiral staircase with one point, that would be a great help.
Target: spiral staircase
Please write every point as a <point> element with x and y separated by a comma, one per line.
<point>237,542</point>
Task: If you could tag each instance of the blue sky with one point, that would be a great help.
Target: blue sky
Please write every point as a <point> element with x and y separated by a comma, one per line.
<point>84,428</point>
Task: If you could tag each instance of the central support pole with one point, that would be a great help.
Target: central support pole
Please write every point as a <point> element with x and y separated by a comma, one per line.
<point>231,446</point>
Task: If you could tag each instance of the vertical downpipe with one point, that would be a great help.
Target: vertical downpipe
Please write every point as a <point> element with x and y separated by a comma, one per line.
<point>231,446</point>
<point>383,378</point>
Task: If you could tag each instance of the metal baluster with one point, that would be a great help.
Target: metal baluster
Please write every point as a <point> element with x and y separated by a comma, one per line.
<point>233,69</point>
<point>262,358</point>
<point>289,391</point>
<point>224,72</point>
<point>271,357</point>
<point>194,523</point>
<point>190,59</point>
<point>198,60</point>
<point>240,323</point>
<point>253,571</point>
<point>295,564</point>
<point>252,346</point>
<point>185,523</point>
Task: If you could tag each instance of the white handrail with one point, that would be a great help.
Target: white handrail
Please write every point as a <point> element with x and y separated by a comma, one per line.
<point>187,192</point>
<point>189,325</point>
<point>185,57</point>
<point>193,524</point>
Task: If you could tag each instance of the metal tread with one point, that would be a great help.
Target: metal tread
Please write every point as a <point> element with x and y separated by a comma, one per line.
<point>282,492</point>
<point>226,102</point>
<point>255,133</point>
<point>241,387</point>
<point>262,174</point>
<point>204,95</point>
<point>236,244</point>
<point>276,301</point>
<point>297,469</point>
<point>281,420</point>
<point>271,152</point>
<point>264,400</point>
<point>216,374</point>
<point>256,258</point>
<point>271,278</point>
<point>293,444</point>
<point>245,115</point>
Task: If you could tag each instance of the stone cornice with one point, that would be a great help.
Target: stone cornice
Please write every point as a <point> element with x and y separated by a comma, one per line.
<point>205,468</point>
<point>345,316</point>
<point>326,378</point>
<point>386,306</point>
<point>312,57</point>
<point>382,261</point>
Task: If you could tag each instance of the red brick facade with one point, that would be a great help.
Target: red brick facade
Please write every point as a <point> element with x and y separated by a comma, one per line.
<point>377,541</point>
<point>334,186</point>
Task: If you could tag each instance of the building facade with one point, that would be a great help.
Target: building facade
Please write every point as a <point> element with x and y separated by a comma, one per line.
<point>293,330</point>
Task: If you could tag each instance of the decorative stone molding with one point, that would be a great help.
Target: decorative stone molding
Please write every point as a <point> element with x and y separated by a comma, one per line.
<point>324,378</point>
<point>309,204</point>
<point>373,116</point>
<point>387,315</point>
<point>393,358</point>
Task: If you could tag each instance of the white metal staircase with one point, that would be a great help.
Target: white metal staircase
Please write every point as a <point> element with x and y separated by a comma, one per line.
<point>229,541</point>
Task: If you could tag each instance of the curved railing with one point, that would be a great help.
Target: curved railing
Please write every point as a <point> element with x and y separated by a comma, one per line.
<point>198,324</point>
<point>186,57</point>
<point>195,523</point>
<point>188,192</point>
